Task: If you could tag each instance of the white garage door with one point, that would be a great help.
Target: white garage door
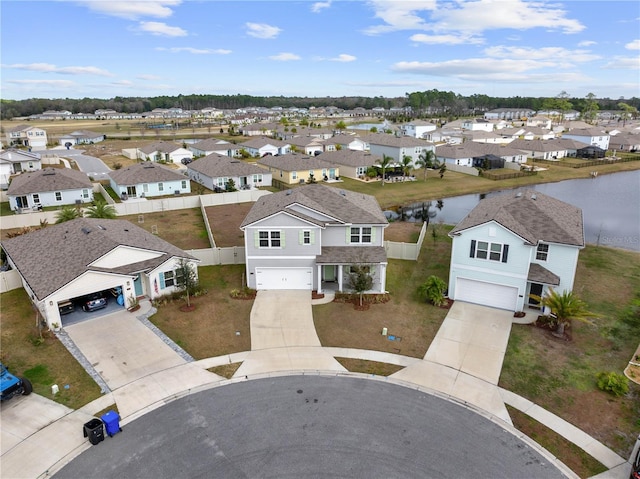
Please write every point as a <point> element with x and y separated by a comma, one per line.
<point>284,278</point>
<point>487,294</point>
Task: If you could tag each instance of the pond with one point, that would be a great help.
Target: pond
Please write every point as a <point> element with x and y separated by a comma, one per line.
<point>610,207</point>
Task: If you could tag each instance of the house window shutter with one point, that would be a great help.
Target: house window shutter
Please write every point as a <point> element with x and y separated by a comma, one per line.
<point>472,253</point>
<point>300,237</point>
<point>162,286</point>
<point>373,234</point>
<point>312,237</point>
<point>348,235</point>
<point>505,252</point>
<point>282,239</point>
<point>256,239</point>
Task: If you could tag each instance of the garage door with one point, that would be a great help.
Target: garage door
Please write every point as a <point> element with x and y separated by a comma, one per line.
<point>487,294</point>
<point>284,278</point>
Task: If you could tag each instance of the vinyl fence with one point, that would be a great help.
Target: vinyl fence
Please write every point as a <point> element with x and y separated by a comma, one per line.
<point>407,251</point>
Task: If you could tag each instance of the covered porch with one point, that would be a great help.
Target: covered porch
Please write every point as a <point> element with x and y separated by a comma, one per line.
<point>333,267</point>
<point>539,281</point>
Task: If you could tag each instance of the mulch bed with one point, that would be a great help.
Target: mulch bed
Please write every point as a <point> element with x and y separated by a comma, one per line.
<point>551,328</point>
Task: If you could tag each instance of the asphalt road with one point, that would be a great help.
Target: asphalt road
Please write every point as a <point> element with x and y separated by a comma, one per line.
<point>311,427</point>
<point>92,166</point>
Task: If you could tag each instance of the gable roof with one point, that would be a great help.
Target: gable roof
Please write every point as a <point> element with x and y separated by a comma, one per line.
<point>48,179</point>
<point>66,250</point>
<point>385,139</point>
<point>531,215</point>
<point>211,144</point>
<point>258,143</point>
<point>350,157</point>
<point>145,172</point>
<point>17,156</point>
<point>342,205</point>
<point>294,162</point>
<point>164,146</point>
<point>216,166</point>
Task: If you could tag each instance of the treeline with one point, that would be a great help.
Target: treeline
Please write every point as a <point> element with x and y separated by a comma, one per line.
<point>421,103</point>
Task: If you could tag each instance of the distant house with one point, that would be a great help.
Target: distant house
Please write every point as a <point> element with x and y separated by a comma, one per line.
<point>148,179</point>
<point>259,147</point>
<point>258,129</point>
<point>547,149</point>
<point>295,169</point>
<point>382,144</point>
<point>512,248</point>
<point>351,163</point>
<point>477,124</point>
<point>311,237</point>
<point>418,128</point>
<point>214,172</point>
<point>49,187</point>
<point>81,137</point>
<point>590,136</point>
<point>213,145</point>
<point>508,114</point>
<point>473,154</point>
<point>306,145</point>
<point>163,151</point>
<point>93,256</point>
<point>28,136</point>
<point>13,162</point>
<point>625,142</point>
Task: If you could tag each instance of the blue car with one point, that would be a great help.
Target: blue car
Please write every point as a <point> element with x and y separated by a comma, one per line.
<point>11,385</point>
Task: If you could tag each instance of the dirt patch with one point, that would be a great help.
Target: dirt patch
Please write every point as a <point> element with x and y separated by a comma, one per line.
<point>110,151</point>
<point>225,223</point>
<point>402,232</point>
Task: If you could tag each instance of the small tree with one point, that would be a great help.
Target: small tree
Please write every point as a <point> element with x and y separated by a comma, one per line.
<point>360,279</point>
<point>68,213</point>
<point>426,160</point>
<point>442,169</point>
<point>384,162</point>
<point>101,210</point>
<point>187,279</point>
<point>231,185</point>
<point>567,307</point>
<point>433,290</point>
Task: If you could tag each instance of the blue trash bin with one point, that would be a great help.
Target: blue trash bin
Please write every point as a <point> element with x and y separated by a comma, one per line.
<point>111,421</point>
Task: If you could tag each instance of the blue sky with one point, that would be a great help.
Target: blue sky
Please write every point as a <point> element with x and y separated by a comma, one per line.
<point>506,48</point>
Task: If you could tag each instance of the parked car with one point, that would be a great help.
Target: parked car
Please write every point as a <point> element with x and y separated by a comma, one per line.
<point>11,385</point>
<point>65,307</point>
<point>186,161</point>
<point>94,301</point>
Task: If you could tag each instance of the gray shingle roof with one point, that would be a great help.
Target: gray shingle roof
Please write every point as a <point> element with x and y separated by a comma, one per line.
<point>145,172</point>
<point>345,206</point>
<point>294,162</point>
<point>217,166</point>
<point>352,255</point>
<point>531,215</point>
<point>261,142</point>
<point>350,157</point>
<point>540,274</point>
<point>163,146</point>
<point>48,179</point>
<point>53,256</point>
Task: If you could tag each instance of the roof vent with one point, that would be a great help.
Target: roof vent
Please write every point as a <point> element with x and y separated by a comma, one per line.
<point>102,227</point>
<point>86,231</point>
<point>288,192</point>
<point>148,165</point>
<point>342,192</point>
<point>518,194</point>
<point>534,197</point>
<point>49,172</point>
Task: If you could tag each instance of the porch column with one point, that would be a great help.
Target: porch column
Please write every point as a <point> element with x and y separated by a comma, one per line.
<point>340,278</point>
<point>319,275</point>
<point>383,277</point>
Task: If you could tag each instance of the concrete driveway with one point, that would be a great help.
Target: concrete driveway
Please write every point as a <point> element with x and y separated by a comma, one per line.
<point>92,166</point>
<point>465,358</point>
<point>121,348</point>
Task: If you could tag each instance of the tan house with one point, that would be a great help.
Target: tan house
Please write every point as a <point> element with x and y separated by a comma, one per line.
<point>295,169</point>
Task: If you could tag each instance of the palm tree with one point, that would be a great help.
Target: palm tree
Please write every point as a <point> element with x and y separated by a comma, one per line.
<point>384,163</point>
<point>406,166</point>
<point>567,307</point>
<point>68,213</point>
<point>426,160</point>
<point>101,210</point>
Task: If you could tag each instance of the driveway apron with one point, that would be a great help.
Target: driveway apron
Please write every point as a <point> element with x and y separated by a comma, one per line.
<point>121,348</point>
<point>465,358</point>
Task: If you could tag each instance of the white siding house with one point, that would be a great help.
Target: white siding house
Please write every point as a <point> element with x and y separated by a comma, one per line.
<point>148,179</point>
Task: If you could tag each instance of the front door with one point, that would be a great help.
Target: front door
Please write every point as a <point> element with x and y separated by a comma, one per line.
<point>131,191</point>
<point>137,284</point>
<point>535,290</point>
<point>332,173</point>
<point>22,202</point>
<point>329,272</point>
<point>17,168</point>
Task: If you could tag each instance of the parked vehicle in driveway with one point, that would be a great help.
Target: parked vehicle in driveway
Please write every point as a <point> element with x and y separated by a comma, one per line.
<point>186,161</point>
<point>94,301</point>
<point>11,385</point>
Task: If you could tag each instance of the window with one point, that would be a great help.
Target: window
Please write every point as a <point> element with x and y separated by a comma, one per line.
<point>31,165</point>
<point>85,193</point>
<point>361,170</point>
<point>160,186</point>
<point>294,175</point>
<point>360,234</point>
<point>491,251</point>
<point>542,252</point>
<point>257,178</point>
<point>36,198</point>
<point>269,239</point>
<point>184,184</point>
<point>169,279</point>
<point>145,187</point>
<point>306,237</point>
<point>58,196</point>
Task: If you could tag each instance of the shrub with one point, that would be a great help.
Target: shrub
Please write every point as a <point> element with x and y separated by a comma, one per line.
<point>433,290</point>
<point>616,384</point>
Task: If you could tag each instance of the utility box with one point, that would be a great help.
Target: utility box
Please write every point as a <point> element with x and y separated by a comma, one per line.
<point>111,420</point>
<point>94,430</point>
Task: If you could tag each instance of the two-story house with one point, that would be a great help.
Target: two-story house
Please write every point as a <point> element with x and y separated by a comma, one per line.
<point>590,136</point>
<point>148,179</point>
<point>383,144</point>
<point>13,162</point>
<point>512,247</point>
<point>29,136</point>
<point>310,237</point>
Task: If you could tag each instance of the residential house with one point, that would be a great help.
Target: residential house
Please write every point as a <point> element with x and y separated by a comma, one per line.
<point>294,169</point>
<point>382,144</point>
<point>350,142</point>
<point>351,163</point>
<point>93,255</point>
<point>547,149</point>
<point>214,172</point>
<point>418,128</point>
<point>213,145</point>
<point>28,136</point>
<point>81,137</point>
<point>626,142</point>
<point>512,248</point>
<point>312,237</point>
<point>508,114</point>
<point>477,124</point>
<point>259,147</point>
<point>163,151</point>
<point>49,187</point>
<point>148,179</point>
<point>13,162</point>
<point>306,145</point>
<point>590,136</point>
<point>258,129</point>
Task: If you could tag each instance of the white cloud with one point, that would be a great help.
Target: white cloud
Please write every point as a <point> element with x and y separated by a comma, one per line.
<point>285,57</point>
<point>262,30</point>
<point>132,10</point>
<point>623,63</point>
<point>49,68</point>
<point>318,6</point>
<point>471,67</point>
<point>587,43</point>
<point>399,15</point>
<point>444,39</point>
<point>162,29</point>
<point>148,77</point>
<point>634,45</point>
<point>126,83</point>
<point>51,83</point>
<point>541,53</point>
<point>195,51</point>
<point>343,57</point>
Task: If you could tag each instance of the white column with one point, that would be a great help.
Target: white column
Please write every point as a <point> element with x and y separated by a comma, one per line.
<point>319,275</point>
<point>340,278</point>
<point>383,277</point>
